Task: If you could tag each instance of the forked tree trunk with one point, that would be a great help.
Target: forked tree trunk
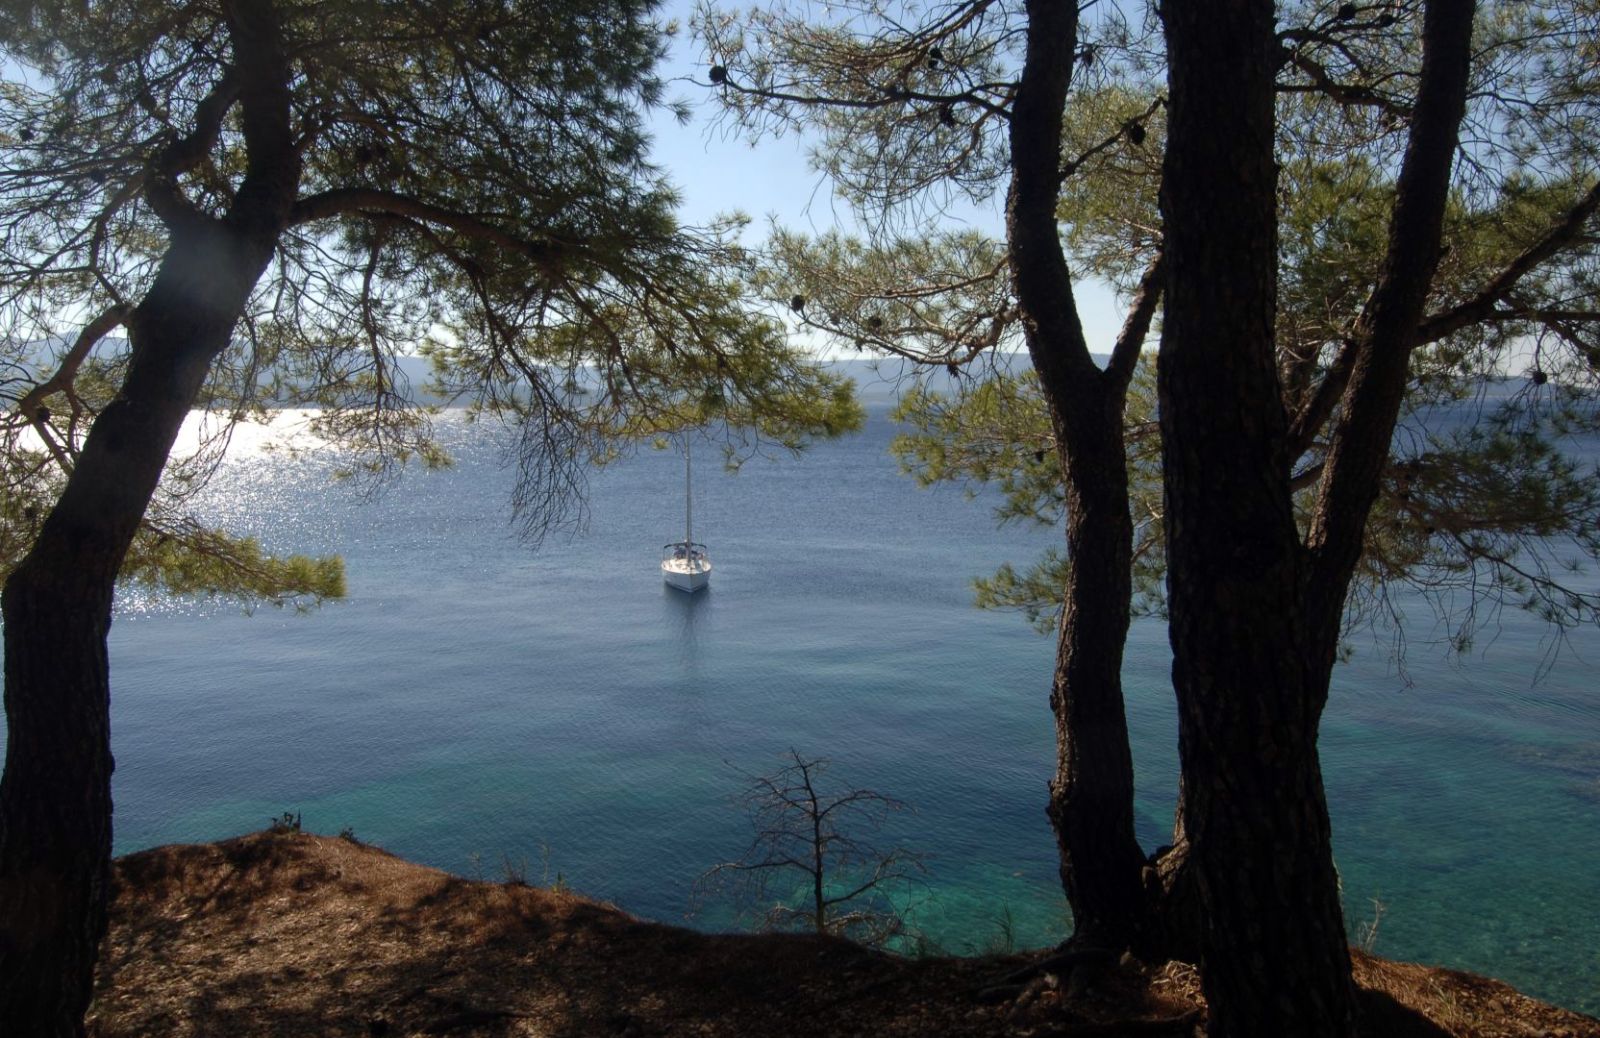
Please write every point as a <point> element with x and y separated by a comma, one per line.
<point>1254,612</point>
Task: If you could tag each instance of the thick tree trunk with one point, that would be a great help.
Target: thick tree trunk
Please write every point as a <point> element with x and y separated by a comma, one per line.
<point>55,794</point>
<point>55,801</point>
<point>1254,613</point>
<point>1274,958</point>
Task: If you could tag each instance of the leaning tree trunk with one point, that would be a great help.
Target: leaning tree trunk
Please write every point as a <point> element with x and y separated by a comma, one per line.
<point>1274,958</point>
<point>55,794</point>
<point>1091,796</point>
<point>1386,332</point>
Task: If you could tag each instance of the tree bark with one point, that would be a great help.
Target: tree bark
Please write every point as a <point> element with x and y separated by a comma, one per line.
<point>1255,615</point>
<point>1274,958</point>
<point>1389,326</point>
<point>1091,795</point>
<point>55,793</point>
<point>55,801</point>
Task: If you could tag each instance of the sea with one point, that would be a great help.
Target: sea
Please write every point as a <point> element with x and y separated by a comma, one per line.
<point>556,714</point>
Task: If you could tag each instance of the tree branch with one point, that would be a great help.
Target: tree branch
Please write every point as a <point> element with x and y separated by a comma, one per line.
<point>358,200</point>
<point>1123,131</point>
<point>184,153</point>
<point>160,182</point>
<point>1564,232</point>
<point>67,370</point>
<point>1303,429</point>
<point>1324,83</point>
<point>1125,354</point>
<point>1386,330</point>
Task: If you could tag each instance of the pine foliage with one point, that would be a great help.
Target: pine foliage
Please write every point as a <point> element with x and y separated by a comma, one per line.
<point>474,186</point>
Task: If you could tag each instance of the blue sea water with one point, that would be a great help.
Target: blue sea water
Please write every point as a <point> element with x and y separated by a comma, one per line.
<point>473,702</point>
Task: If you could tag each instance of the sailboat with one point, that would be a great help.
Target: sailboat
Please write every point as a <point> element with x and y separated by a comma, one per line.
<point>684,564</point>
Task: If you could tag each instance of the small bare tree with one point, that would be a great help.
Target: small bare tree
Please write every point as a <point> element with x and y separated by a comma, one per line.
<point>813,833</point>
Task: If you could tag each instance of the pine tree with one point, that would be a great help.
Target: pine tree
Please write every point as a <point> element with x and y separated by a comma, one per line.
<point>270,201</point>
<point>1076,122</point>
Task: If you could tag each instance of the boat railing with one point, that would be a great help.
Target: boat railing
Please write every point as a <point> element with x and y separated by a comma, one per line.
<point>683,550</point>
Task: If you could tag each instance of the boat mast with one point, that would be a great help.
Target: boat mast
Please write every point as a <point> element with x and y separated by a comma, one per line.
<point>688,495</point>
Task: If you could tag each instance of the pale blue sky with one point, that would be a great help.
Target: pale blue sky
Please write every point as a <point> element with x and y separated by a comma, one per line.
<point>719,172</point>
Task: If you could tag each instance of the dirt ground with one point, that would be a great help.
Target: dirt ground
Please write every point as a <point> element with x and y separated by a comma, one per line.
<point>295,934</point>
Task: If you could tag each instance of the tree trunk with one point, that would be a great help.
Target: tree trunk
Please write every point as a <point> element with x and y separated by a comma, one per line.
<point>1274,958</point>
<point>55,794</point>
<point>1091,796</point>
<point>55,800</point>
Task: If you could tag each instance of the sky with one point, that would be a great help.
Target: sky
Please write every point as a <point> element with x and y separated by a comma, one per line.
<point>718,172</point>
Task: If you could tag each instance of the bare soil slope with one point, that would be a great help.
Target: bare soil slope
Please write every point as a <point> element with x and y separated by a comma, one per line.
<point>295,934</point>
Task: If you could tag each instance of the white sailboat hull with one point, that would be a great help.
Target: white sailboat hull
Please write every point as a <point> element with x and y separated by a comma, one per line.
<point>686,575</point>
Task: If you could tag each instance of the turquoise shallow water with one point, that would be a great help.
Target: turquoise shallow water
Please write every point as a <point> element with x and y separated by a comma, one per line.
<point>473,701</point>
